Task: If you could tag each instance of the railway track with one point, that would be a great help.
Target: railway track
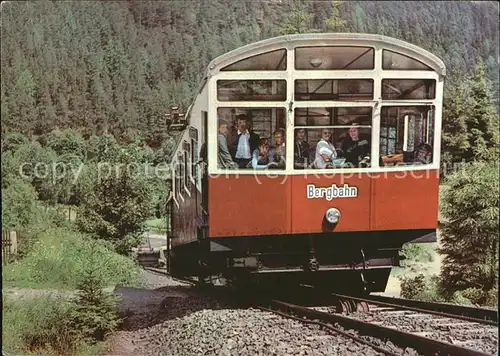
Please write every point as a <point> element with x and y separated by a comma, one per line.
<point>460,312</point>
<point>387,325</point>
<point>389,338</point>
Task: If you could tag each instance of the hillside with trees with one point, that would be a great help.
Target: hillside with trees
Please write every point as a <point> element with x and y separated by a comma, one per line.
<point>116,67</point>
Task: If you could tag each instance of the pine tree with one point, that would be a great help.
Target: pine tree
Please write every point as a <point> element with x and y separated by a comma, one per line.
<point>335,23</point>
<point>469,237</point>
<point>297,20</point>
<point>454,129</point>
<point>482,121</point>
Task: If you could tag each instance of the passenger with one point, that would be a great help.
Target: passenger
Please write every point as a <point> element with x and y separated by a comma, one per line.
<point>261,157</point>
<point>224,158</point>
<point>301,153</point>
<point>354,148</point>
<point>423,154</point>
<point>279,150</point>
<point>244,142</point>
<point>325,151</point>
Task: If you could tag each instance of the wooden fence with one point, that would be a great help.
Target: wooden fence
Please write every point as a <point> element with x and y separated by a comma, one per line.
<point>9,246</point>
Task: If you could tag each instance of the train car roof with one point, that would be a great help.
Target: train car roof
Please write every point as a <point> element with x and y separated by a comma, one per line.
<point>325,39</point>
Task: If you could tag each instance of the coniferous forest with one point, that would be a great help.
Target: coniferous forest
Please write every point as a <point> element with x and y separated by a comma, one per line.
<point>85,83</point>
<point>116,67</point>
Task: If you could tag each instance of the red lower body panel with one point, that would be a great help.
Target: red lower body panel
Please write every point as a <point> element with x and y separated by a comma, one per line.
<point>259,205</point>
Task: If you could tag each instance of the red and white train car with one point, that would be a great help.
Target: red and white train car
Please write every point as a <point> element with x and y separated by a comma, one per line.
<point>338,219</point>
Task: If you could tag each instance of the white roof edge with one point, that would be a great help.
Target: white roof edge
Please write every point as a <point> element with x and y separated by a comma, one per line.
<point>288,41</point>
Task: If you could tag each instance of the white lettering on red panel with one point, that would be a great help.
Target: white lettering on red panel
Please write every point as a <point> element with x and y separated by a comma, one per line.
<point>330,193</point>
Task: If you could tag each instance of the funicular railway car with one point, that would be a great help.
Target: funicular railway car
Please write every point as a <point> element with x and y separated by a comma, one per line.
<point>309,158</point>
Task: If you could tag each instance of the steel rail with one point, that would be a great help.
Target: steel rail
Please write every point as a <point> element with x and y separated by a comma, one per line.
<point>404,306</point>
<point>331,328</point>
<point>473,312</point>
<point>419,343</point>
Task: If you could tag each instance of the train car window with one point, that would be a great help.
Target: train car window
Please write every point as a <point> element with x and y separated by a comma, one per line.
<point>333,89</point>
<point>187,164</point>
<point>251,90</point>
<point>328,57</point>
<point>406,135</point>
<point>181,172</point>
<point>187,181</point>
<point>274,60</point>
<point>332,137</point>
<point>177,176</point>
<point>193,134</point>
<point>397,61</point>
<point>408,88</point>
<point>251,138</point>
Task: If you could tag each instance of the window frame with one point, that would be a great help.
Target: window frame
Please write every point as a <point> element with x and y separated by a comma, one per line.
<point>187,166</point>
<point>383,50</point>
<point>433,86</point>
<point>195,155</point>
<point>333,127</point>
<point>372,48</point>
<point>335,82</point>
<point>285,58</point>
<point>253,106</point>
<point>426,128</point>
<point>283,81</point>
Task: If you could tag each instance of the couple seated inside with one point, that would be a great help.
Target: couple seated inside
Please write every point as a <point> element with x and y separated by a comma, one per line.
<point>354,151</point>
<point>266,157</point>
<point>243,148</point>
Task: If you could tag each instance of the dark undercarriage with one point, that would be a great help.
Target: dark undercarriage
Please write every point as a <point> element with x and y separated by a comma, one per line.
<point>349,261</point>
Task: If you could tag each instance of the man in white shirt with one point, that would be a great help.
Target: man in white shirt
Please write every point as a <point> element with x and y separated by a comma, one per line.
<point>244,142</point>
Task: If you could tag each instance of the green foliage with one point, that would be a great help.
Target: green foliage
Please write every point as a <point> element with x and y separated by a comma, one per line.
<point>66,142</point>
<point>335,23</point>
<point>102,148</point>
<point>51,325</point>
<point>298,19</point>
<point>454,130</point>
<point>116,67</point>
<point>470,234</point>
<point>482,122</point>
<point>19,205</point>
<point>38,324</point>
<point>13,141</point>
<point>60,258</point>
<point>423,288</point>
<point>116,199</point>
<point>417,253</point>
<point>430,288</point>
<point>470,123</point>
<point>94,315</point>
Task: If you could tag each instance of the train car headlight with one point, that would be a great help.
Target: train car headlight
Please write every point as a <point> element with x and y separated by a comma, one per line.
<point>332,215</point>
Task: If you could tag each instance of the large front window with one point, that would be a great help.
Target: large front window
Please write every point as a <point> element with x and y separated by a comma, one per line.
<point>251,138</point>
<point>332,137</point>
<point>334,97</point>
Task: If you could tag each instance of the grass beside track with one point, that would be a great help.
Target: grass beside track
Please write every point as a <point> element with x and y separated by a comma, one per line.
<point>60,257</point>
<point>37,326</point>
<point>58,262</point>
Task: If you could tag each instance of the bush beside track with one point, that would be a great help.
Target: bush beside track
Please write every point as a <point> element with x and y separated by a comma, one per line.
<point>77,319</point>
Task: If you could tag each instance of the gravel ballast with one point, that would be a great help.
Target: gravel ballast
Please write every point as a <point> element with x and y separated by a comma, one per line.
<point>180,320</point>
<point>241,332</point>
